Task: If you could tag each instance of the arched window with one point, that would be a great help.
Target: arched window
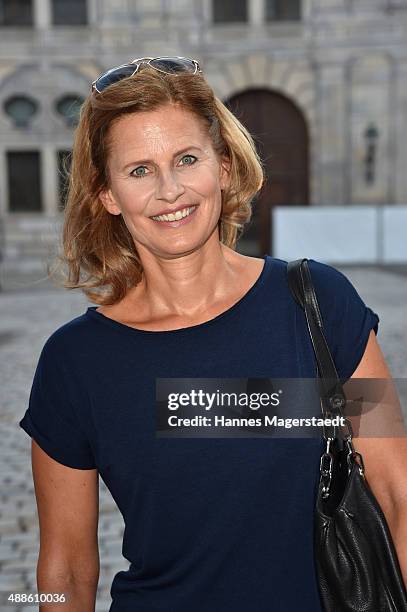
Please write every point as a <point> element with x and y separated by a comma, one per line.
<point>21,109</point>
<point>68,107</point>
<point>283,10</point>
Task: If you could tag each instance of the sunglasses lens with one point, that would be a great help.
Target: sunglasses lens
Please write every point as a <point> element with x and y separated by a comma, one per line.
<point>168,65</point>
<point>173,64</point>
<point>113,76</point>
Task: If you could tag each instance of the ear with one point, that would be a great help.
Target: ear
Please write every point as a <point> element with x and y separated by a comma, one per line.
<point>224,177</point>
<point>109,202</point>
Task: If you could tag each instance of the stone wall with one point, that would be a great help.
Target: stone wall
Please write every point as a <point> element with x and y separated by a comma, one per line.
<point>344,65</point>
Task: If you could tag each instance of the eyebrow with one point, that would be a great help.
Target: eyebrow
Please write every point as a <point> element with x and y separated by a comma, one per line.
<point>148,161</point>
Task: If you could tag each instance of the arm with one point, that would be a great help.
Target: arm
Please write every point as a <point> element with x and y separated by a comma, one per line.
<point>385,460</point>
<point>68,504</point>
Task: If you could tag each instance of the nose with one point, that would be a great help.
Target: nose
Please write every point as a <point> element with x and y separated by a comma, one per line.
<point>169,187</point>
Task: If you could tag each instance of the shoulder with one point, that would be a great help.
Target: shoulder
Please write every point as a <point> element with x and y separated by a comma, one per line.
<point>329,282</point>
<point>332,284</point>
<point>340,297</point>
<point>347,319</point>
<point>69,338</point>
<point>326,275</point>
<point>335,291</point>
<point>341,301</point>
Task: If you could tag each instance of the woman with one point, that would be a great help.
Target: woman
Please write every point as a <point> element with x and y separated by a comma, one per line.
<point>210,524</point>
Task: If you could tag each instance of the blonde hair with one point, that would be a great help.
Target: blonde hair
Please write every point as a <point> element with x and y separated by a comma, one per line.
<point>97,248</point>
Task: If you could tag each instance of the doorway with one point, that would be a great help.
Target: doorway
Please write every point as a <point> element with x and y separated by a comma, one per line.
<point>280,132</point>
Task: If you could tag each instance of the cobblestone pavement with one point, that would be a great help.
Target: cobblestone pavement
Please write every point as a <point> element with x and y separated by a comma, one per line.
<point>27,318</point>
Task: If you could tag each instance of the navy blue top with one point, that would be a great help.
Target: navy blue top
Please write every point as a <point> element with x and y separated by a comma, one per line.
<point>210,523</point>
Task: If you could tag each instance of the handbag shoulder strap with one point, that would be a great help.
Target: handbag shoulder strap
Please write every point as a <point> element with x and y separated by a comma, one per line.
<point>303,291</point>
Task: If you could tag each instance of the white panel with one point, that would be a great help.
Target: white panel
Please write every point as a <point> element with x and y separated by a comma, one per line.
<point>395,234</point>
<point>335,234</point>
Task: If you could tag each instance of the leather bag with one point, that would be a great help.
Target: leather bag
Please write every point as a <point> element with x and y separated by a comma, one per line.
<point>356,562</point>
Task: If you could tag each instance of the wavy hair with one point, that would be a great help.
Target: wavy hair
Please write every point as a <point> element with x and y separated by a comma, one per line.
<point>97,247</point>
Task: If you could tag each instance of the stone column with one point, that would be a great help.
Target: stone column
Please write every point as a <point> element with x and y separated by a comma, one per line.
<point>42,14</point>
<point>400,173</point>
<point>49,179</point>
<point>331,128</point>
<point>3,183</point>
<point>371,93</point>
<point>256,12</point>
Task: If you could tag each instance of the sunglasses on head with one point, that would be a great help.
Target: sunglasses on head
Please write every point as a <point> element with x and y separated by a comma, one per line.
<point>168,65</point>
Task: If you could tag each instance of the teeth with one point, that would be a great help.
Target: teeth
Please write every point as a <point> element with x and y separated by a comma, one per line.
<point>180,214</point>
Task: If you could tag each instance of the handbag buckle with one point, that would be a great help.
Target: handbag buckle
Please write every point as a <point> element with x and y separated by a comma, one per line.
<point>349,434</point>
<point>325,468</point>
<point>333,429</point>
<point>355,455</point>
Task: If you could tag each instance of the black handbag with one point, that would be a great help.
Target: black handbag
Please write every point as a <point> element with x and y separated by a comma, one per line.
<point>356,562</point>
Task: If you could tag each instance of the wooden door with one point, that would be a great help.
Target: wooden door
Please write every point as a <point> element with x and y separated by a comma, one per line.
<point>280,132</point>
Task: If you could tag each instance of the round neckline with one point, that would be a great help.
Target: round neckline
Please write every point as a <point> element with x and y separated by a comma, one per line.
<point>98,316</point>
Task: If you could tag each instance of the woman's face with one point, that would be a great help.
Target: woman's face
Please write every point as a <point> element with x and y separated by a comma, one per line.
<point>161,161</point>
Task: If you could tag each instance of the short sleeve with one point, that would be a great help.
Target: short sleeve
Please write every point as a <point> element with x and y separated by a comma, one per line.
<point>347,320</point>
<point>51,418</point>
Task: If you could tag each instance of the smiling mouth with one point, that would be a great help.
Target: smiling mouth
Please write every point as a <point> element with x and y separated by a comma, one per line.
<point>177,216</point>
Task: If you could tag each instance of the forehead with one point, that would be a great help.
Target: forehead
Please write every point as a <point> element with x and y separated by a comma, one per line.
<point>163,127</point>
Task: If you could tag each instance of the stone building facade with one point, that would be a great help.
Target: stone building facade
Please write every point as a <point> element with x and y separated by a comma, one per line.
<point>321,84</point>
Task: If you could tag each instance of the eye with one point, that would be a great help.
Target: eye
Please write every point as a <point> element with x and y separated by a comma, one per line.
<point>137,175</point>
<point>191,157</point>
